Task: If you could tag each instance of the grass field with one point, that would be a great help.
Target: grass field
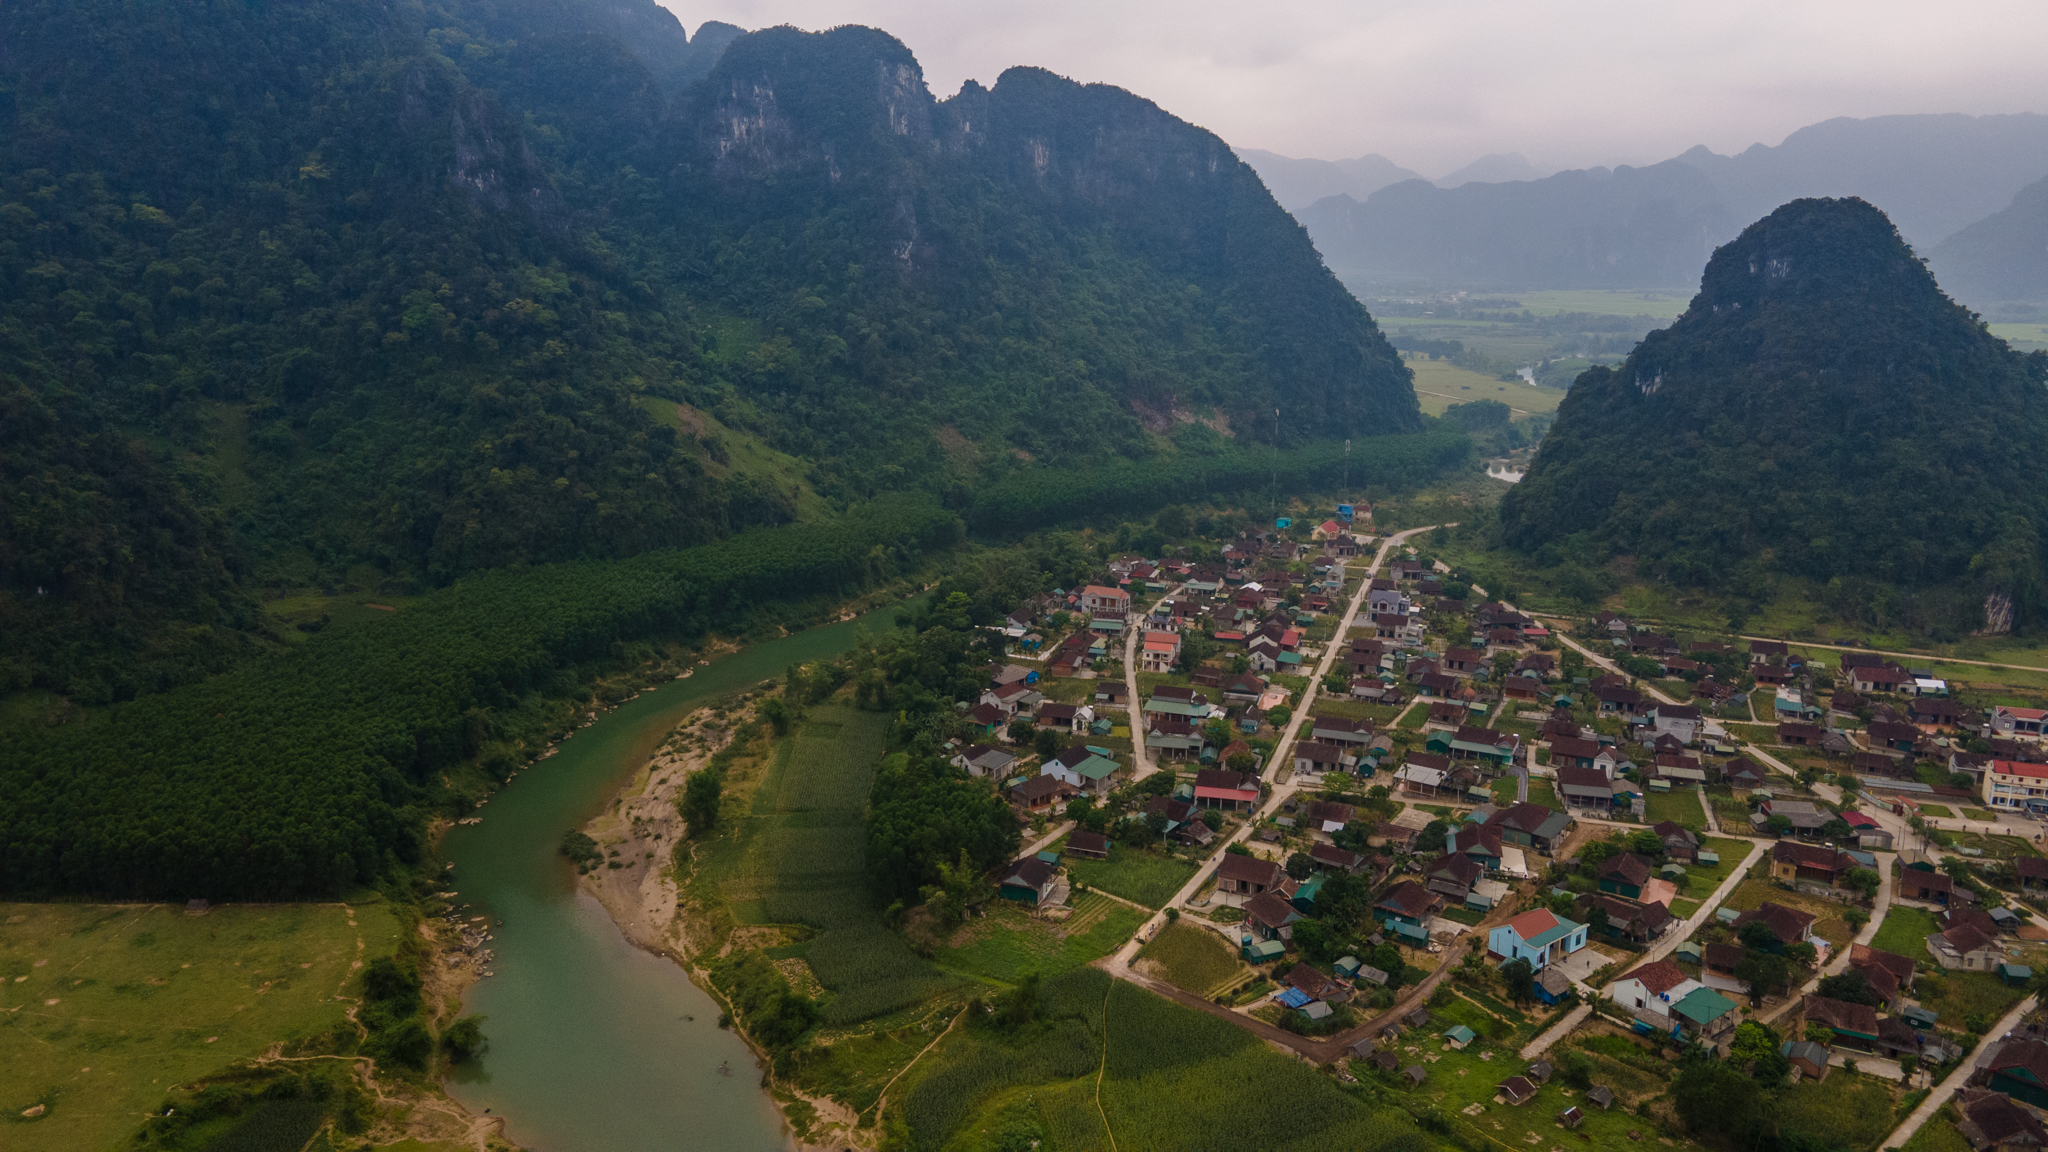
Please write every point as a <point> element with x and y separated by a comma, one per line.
<point>1169,1079</point>
<point>1664,305</point>
<point>1938,1135</point>
<point>1682,807</point>
<point>107,1006</point>
<point>1732,853</point>
<point>1193,959</point>
<point>1440,384</point>
<point>744,453</point>
<point>1938,810</point>
<point>1996,847</point>
<point>1905,931</point>
<point>1979,814</point>
<point>1008,942</point>
<point>1148,878</point>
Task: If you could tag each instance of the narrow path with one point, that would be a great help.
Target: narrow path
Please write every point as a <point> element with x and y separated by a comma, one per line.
<point>1556,1032</point>
<point>1102,1069</point>
<point>1928,656</point>
<point>1956,1079</point>
<point>883,1096</point>
<point>1046,840</point>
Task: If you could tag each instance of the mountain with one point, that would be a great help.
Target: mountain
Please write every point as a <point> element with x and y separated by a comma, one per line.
<point>374,296</point>
<point>1592,227</point>
<point>1493,168</point>
<point>1820,409</point>
<point>2003,256</point>
<point>1934,174</point>
<point>1296,184</point>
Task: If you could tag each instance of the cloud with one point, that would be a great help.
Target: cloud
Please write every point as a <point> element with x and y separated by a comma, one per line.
<point>1434,83</point>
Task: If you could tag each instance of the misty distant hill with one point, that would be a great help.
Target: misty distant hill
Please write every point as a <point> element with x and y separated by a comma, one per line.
<point>1629,227</point>
<point>1296,184</point>
<point>1493,168</point>
<point>1933,175</point>
<point>2001,257</point>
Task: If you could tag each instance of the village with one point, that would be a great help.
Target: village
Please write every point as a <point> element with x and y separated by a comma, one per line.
<point>1519,865</point>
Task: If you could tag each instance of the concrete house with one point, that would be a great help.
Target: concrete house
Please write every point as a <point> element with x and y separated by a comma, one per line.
<point>1538,936</point>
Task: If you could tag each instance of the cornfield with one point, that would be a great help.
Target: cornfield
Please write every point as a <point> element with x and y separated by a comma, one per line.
<point>976,1068</point>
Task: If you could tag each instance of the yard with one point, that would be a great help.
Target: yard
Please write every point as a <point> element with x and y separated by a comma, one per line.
<point>1732,854</point>
<point>1829,926</point>
<point>1462,1085</point>
<point>107,1005</point>
<point>1680,806</point>
<point>1136,874</point>
<point>1979,814</point>
<point>1010,941</point>
<point>1938,811</point>
<point>1996,847</point>
<point>1905,931</point>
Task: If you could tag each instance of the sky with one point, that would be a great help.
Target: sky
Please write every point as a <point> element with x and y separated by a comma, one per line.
<point>1434,84</point>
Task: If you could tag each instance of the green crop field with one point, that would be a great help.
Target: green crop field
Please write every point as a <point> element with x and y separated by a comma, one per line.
<point>1440,384</point>
<point>1193,959</point>
<point>1664,305</point>
<point>108,1006</point>
<point>1148,878</point>
<point>797,858</point>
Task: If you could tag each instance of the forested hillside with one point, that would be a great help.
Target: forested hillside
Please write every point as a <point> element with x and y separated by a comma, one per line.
<point>289,292</point>
<point>1821,409</point>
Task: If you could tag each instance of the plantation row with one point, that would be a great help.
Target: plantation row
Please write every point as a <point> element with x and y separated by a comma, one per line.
<point>809,864</point>
<point>1037,497</point>
<point>301,774</point>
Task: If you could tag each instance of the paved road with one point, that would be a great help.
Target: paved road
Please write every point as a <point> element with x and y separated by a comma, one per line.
<point>1927,656</point>
<point>1556,1032</point>
<point>1118,963</point>
<point>1141,756</point>
<point>1957,1078</point>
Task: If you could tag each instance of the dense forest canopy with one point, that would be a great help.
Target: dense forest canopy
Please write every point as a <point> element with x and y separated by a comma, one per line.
<point>288,291</point>
<point>1821,409</point>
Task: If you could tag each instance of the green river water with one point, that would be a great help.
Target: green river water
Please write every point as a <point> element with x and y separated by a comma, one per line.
<point>595,1045</point>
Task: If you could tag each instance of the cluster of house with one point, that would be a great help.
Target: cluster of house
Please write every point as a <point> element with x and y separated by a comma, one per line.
<point>2013,1073</point>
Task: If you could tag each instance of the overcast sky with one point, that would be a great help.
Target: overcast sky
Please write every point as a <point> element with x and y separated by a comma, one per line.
<point>1433,84</point>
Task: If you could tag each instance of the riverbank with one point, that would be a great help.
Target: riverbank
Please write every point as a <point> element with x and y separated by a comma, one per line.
<point>642,829</point>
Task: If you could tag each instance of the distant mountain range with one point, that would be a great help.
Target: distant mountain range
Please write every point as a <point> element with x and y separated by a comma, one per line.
<point>1934,175</point>
<point>1296,184</point>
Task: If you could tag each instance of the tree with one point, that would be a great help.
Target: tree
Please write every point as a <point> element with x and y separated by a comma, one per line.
<point>1778,823</point>
<point>464,1038</point>
<point>1764,972</point>
<point>1819,1033</point>
<point>1046,743</point>
<point>1752,1040</point>
<point>1758,935</point>
<point>1851,987</point>
<point>1019,730</point>
<point>1575,1068</point>
<point>1518,976</point>
<point>701,796</point>
<point>1856,917</point>
<point>1431,838</point>
<point>1301,866</point>
<point>1712,1097</point>
<point>1646,843</point>
<point>775,710</point>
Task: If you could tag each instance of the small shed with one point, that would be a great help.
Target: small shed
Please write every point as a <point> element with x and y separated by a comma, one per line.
<point>1571,1118</point>
<point>2015,973</point>
<point>1371,974</point>
<point>1516,1090</point>
<point>1459,1036</point>
<point>1541,1071</point>
<point>1415,1074</point>
<point>1417,1018</point>
<point>1726,915</point>
<point>1348,966</point>
<point>1317,1010</point>
<point>1600,1096</point>
<point>1706,857</point>
<point>1262,951</point>
<point>1689,952</point>
<point>1363,1048</point>
<point>1919,1017</point>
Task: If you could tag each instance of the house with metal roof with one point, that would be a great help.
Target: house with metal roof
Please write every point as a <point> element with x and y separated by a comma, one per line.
<point>1705,1015</point>
<point>1538,936</point>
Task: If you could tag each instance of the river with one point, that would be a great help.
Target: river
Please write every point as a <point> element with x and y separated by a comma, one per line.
<point>595,1045</point>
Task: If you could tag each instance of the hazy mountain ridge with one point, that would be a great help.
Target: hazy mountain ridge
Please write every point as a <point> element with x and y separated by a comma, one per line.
<point>1934,174</point>
<point>1820,409</point>
<point>1296,184</point>
<point>2003,256</point>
